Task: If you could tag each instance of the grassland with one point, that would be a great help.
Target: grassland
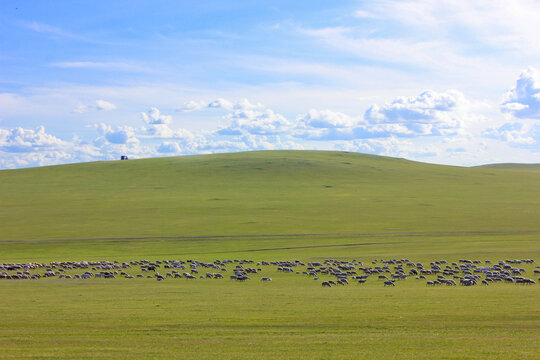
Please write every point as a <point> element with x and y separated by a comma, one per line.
<point>280,192</point>
<point>359,206</point>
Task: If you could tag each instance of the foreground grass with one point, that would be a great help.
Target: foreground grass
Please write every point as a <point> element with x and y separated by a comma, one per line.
<point>291,317</point>
<point>283,319</point>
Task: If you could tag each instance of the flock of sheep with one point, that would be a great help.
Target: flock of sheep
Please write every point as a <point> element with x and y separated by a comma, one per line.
<point>330,272</point>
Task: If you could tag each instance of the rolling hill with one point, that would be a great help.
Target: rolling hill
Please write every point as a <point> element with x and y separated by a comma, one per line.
<point>265,192</point>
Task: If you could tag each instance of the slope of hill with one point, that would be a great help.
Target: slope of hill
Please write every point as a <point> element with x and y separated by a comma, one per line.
<point>268,192</point>
<point>509,166</point>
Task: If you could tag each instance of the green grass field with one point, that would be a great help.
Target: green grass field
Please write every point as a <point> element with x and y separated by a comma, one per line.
<point>249,206</point>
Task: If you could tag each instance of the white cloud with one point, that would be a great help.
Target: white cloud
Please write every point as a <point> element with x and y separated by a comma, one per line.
<point>118,137</point>
<point>121,135</point>
<point>244,143</point>
<point>431,126</point>
<point>513,107</point>
<point>245,104</point>
<point>28,140</point>
<point>221,146</point>
<point>81,109</point>
<point>154,117</point>
<point>104,105</point>
<point>191,106</point>
<point>516,134</point>
<point>426,54</point>
<point>100,105</point>
<point>163,131</point>
<point>391,146</point>
<point>446,43</point>
<point>326,125</point>
<point>363,14</point>
<point>523,101</point>
<point>105,66</point>
<point>50,30</point>
<point>429,113</point>
<point>169,147</point>
<point>503,24</point>
<point>158,127</point>
<point>325,119</point>
<point>221,104</point>
<point>264,122</point>
<point>21,147</point>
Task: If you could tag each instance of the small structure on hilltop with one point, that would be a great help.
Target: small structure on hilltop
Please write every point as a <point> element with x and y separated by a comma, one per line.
<point>123,157</point>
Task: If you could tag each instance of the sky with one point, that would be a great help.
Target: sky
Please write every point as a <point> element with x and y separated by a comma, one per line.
<point>438,81</point>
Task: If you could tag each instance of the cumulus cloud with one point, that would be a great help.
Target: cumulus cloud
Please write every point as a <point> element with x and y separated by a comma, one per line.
<point>163,131</point>
<point>120,135</point>
<point>391,146</point>
<point>429,113</point>
<point>327,125</point>
<point>325,119</point>
<point>154,116</point>
<point>417,127</point>
<point>523,101</point>
<point>265,122</point>
<point>169,148</point>
<point>245,142</point>
<point>28,140</point>
<point>21,147</point>
<point>513,133</point>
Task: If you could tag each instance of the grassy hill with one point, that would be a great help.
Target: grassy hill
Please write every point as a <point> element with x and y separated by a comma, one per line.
<point>510,166</point>
<point>268,192</point>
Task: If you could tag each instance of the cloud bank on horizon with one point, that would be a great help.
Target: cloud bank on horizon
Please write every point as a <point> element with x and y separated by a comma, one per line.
<point>442,82</point>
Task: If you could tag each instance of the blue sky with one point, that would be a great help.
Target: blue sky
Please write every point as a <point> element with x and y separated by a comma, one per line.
<point>448,82</point>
